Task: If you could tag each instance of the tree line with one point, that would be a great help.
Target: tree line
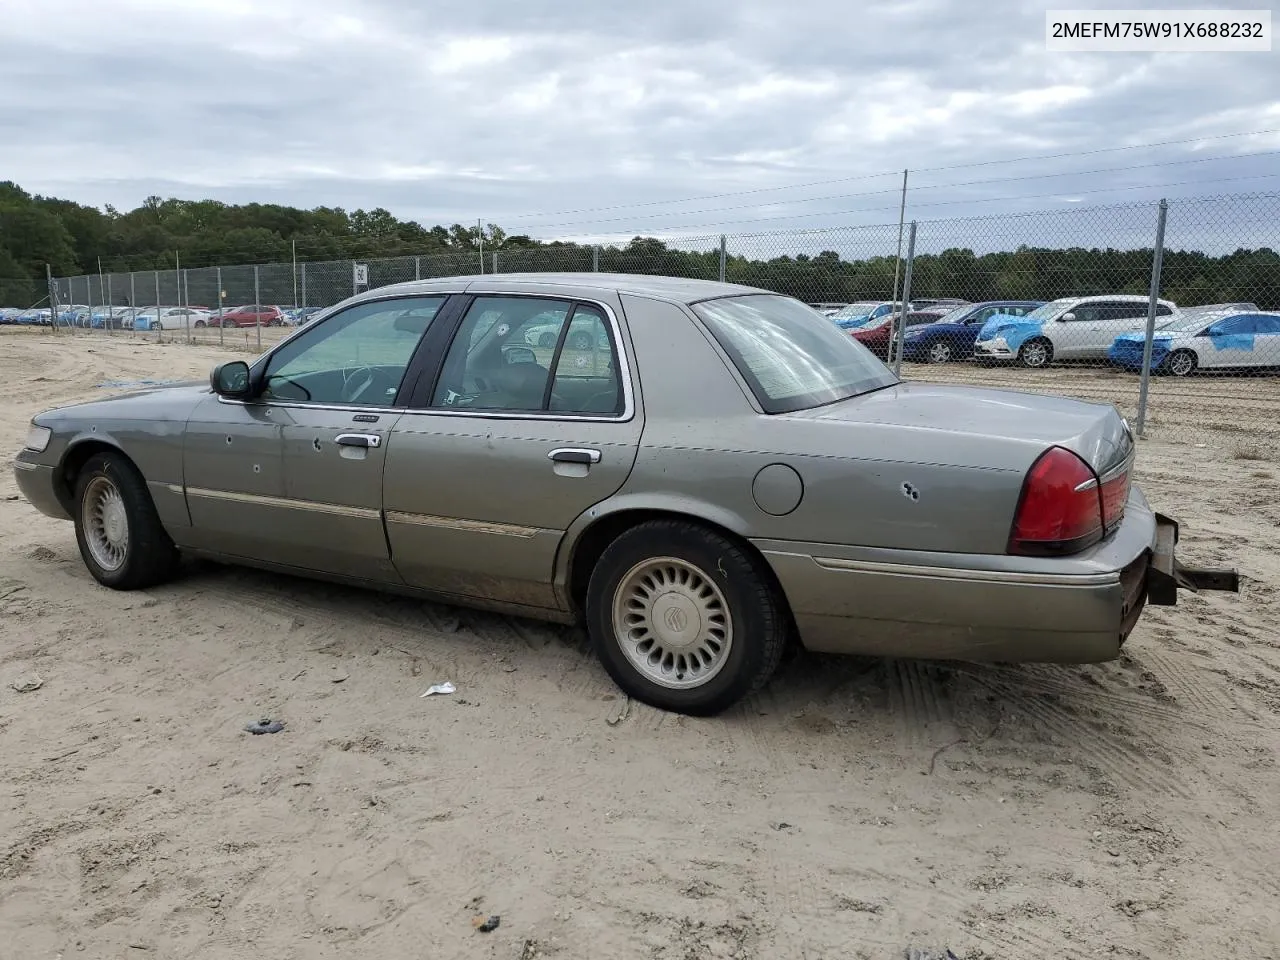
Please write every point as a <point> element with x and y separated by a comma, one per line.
<point>74,239</point>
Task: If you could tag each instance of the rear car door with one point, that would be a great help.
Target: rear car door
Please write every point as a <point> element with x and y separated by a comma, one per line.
<point>295,476</point>
<point>532,418</point>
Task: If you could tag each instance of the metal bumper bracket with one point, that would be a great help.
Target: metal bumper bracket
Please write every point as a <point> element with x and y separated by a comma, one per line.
<point>1166,574</point>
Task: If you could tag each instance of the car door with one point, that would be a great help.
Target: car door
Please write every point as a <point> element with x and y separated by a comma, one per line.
<point>1234,342</point>
<point>295,476</point>
<point>509,446</point>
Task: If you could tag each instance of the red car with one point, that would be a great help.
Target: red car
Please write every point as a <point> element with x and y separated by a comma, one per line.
<point>875,335</point>
<point>250,316</point>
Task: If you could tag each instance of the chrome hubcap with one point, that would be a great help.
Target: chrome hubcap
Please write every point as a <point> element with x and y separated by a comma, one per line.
<point>940,353</point>
<point>1035,354</point>
<point>106,527</point>
<point>672,623</point>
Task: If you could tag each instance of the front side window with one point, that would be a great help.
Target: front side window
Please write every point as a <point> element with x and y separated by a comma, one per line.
<point>358,356</point>
<point>788,355</point>
<point>531,355</point>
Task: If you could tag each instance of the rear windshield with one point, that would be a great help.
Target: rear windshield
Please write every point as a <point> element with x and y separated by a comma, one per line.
<point>791,356</point>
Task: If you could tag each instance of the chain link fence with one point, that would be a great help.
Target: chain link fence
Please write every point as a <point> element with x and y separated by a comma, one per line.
<point>1172,312</point>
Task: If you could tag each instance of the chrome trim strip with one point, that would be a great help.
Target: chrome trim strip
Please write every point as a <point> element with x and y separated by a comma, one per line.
<point>24,465</point>
<point>371,441</point>
<point>470,526</point>
<point>171,487</point>
<point>1123,466</point>
<point>981,576</point>
<point>587,455</point>
<point>624,371</point>
<point>286,503</point>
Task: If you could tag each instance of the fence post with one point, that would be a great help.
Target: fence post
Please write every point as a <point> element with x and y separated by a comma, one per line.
<point>156,328</point>
<point>184,283</point>
<point>494,259</point>
<point>133,301</point>
<point>257,304</point>
<point>304,284</point>
<point>724,250</point>
<point>1157,263</point>
<point>53,298</point>
<point>219,296</point>
<point>595,258</point>
<point>417,268</point>
<point>900,325</point>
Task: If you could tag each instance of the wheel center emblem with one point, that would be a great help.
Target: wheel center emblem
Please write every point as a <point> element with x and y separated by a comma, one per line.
<point>675,620</point>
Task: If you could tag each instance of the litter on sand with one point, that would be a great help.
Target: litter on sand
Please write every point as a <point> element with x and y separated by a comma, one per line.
<point>265,725</point>
<point>486,924</point>
<point>29,684</point>
<point>920,953</point>
<point>435,688</point>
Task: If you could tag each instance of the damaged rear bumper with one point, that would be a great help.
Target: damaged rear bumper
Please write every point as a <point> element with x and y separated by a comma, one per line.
<point>1166,573</point>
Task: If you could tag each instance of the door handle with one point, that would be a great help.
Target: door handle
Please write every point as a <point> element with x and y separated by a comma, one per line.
<point>574,455</point>
<point>366,440</point>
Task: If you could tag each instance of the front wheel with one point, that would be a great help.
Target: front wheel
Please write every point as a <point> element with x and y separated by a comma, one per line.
<point>1036,353</point>
<point>200,324</point>
<point>546,340</point>
<point>119,533</point>
<point>580,341</point>
<point>939,352</point>
<point>684,619</point>
<point>1181,363</point>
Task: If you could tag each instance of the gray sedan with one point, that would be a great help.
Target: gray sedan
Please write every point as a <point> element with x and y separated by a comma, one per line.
<point>702,473</point>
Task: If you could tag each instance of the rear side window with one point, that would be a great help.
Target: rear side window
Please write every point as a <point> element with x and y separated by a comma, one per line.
<point>791,357</point>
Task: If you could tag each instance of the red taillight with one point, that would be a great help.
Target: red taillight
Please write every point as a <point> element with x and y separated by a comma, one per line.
<point>1115,494</point>
<point>1060,510</point>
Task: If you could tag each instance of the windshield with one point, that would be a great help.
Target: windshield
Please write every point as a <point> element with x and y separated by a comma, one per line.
<point>1049,310</point>
<point>790,356</point>
<point>855,310</point>
<point>1194,320</point>
<point>956,315</point>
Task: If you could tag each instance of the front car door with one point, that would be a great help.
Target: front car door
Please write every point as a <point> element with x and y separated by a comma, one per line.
<point>1241,341</point>
<point>510,444</point>
<point>294,476</point>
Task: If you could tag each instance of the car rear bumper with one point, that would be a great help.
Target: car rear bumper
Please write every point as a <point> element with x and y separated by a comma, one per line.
<point>973,607</point>
<point>35,480</point>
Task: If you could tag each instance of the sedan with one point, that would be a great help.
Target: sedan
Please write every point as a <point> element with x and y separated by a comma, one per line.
<point>1229,341</point>
<point>951,336</point>
<point>251,316</point>
<point>729,475</point>
<point>876,333</point>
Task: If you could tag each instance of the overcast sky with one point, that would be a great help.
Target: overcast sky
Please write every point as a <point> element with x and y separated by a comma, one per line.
<point>524,112</point>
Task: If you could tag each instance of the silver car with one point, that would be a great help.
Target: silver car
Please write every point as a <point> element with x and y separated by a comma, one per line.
<point>722,473</point>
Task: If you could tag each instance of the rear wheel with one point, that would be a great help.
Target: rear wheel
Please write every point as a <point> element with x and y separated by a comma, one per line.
<point>119,533</point>
<point>200,324</point>
<point>1036,353</point>
<point>580,341</point>
<point>1181,363</point>
<point>547,340</point>
<point>939,352</point>
<point>684,619</point>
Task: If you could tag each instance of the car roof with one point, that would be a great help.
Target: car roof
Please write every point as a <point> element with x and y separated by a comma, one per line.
<point>672,289</point>
<point>1122,297</point>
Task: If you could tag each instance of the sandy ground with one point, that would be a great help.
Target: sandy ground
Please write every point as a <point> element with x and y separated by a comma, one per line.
<point>853,809</point>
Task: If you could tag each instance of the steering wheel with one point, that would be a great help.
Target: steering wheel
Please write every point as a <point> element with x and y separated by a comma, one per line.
<point>355,381</point>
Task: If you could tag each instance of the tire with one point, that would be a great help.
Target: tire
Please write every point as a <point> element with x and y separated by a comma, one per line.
<point>939,352</point>
<point>738,602</point>
<point>580,341</point>
<point>1180,363</point>
<point>200,324</point>
<point>112,503</point>
<point>158,325</point>
<point>1036,353</point>
<point>546,340</point>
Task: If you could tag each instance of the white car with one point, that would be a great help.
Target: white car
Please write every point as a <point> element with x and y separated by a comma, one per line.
<point>170,318</point>
<point>1234,340</point>
<point>1071,328</point>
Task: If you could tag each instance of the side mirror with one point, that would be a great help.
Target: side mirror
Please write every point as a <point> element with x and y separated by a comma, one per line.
<point>520,355</point>
<point>230,379</point>
<point>1066,317</point>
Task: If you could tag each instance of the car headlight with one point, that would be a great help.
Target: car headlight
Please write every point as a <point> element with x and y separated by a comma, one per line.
<point>38,438</point>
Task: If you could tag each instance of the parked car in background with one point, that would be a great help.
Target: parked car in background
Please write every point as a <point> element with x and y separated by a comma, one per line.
<point>9,315</point>
<point>733,475</point>
<point>862,313</point>
<point>35,317</point>
<point>1070,328</point>
<point>877,334</point>
<point>952,335</point>
<point>1229,340</point>
<point>296,318</point>
<point>928,303</point>
<point>170,318</point>
<point>251,315</point>
<point>828,308</point>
